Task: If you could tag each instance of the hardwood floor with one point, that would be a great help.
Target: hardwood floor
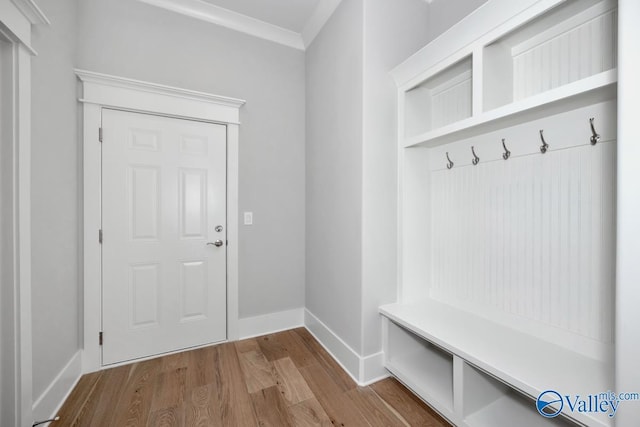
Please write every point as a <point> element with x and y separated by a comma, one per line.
<point>283,379</point>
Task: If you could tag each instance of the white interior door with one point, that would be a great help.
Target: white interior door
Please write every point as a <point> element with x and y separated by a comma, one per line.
<point>164,234</point>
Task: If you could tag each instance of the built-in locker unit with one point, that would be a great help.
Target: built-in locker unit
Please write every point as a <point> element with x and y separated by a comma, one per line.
<point>507,191</point>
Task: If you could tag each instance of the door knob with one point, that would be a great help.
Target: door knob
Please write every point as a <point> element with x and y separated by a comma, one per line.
<point>217,243</point>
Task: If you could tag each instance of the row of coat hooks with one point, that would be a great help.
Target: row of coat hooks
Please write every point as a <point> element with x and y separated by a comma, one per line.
<point>595,137</point>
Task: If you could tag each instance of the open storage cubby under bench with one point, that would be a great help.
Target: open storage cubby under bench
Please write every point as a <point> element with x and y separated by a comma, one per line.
<point>478,373</point>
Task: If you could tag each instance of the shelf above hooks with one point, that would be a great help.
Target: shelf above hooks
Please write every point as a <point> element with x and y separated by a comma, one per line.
<point>588,91</point>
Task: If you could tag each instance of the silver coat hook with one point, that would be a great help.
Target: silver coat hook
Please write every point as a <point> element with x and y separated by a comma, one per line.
<point>544,147</point>
<point>475,159</point>
<point>506,153</point>
<point>595,137</point>
<point>449,162</point>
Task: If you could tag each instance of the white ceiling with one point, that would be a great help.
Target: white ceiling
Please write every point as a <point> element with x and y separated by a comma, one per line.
<point>293,23</point>
<point>290,14</point>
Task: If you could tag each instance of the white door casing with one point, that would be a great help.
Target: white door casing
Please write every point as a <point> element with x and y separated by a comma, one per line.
<point>163,205</point>
<point>17,18</point>
<point>105,91</point>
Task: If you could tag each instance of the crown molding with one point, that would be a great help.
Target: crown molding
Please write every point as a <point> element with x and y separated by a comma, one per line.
<point>230,19</point>
<point>208,12</point>
<point>320,16</point>
<point>31,11</point>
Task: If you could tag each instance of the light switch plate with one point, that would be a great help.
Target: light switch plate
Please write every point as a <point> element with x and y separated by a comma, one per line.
<point>248,218</point>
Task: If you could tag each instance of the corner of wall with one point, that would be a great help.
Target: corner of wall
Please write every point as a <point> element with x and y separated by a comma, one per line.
<point>50,401</point>
<point>250,327</point>
<point>364,370</point>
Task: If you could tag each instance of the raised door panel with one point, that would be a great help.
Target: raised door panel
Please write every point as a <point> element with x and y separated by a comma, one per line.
<point>164,193</point>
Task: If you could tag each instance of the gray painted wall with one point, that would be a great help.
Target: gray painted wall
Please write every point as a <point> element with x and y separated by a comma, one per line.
<point>443,14</point>
<point>135,40</point>
<point>334,64</point>
<point>54,195</point>
<point>348,168</point>
<point>393,31</point>
<point>351,158</point>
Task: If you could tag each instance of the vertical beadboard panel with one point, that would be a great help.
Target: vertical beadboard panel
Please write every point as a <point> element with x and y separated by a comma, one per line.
<point>583,51</point>
<point>451,104</point>
<point>533,236</point>
<point>609,186</point>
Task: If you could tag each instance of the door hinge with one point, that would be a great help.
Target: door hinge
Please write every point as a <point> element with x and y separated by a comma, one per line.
<point>100,134</point>
<point>100,337</point>
<point>100,236</point>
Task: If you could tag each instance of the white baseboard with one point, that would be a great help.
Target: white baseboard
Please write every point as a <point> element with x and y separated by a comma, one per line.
<point>372,369</point>
<point>364,370</point>
<point>346,357</point>
<point>250,327</point>
<point>50,401</point>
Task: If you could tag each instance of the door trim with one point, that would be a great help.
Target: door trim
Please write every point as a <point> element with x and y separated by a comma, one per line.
<point>105,91</point>
<point>17,20</point>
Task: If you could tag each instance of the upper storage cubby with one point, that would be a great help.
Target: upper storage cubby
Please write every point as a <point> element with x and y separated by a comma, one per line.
<point>551,56</point>
<point>572,42</point>
<point>439,100</point>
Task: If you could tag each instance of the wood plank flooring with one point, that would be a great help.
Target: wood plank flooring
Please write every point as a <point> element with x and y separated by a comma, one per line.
<point>283,379</point>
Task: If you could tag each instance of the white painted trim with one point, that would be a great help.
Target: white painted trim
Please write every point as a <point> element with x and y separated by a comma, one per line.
<point>318,19</point>
<point>17,366</point>
<point>236,21</point>
<point>509,14</point>
<point>335,346</point>
<point>363,370</point>
<point>230,19</point>
<point>91,354</point>
<point>31,11</point>
<point>18,27</point>
<point>372,369</point>
<point>50,401</point>
<point>22,235</point>
<point>119,92</point>
<point>101,90</point>
<point>233,168</point>
<point>155,88</point>
<point>250,327</point>
<point>627,321</point>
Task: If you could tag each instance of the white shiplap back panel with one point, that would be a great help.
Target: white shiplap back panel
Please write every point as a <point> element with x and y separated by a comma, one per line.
<point>415,248</point>
<point>530,239</point>
<point>451,104</point>
<point>582,51</point>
